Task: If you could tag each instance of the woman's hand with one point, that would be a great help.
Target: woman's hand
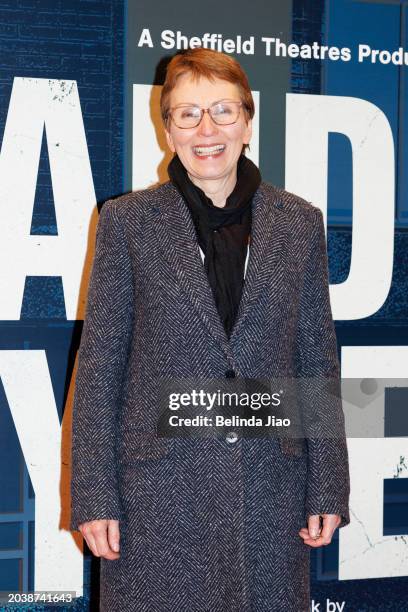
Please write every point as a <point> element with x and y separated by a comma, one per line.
<point>315,535</point>
<point>102,537</point>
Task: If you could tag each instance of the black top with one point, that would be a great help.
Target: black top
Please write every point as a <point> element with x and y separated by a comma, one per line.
<point>222,233</point>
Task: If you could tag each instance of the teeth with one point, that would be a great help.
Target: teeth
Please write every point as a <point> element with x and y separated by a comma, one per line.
<point>209,150</point>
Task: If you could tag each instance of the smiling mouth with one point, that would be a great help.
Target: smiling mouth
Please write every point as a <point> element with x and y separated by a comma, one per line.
<point>209,151</point>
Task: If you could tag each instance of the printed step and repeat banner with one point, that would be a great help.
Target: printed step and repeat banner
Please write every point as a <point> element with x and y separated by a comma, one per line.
<point>80,85</point>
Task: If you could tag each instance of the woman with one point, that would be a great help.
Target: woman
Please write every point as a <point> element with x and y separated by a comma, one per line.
<point>217,524</point>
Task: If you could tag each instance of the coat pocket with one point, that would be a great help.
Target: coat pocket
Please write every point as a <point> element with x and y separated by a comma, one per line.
<point>135,445</point>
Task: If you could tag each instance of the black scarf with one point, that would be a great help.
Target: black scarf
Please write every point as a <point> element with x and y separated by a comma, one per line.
<point>222,233</point>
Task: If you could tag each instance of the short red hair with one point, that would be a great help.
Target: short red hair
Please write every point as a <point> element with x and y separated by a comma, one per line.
<point>209,64</point>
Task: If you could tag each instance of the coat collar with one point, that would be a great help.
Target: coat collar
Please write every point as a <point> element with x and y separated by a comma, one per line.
<point>178,243</point>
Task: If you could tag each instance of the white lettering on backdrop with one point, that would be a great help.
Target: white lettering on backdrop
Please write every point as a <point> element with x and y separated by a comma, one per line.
<point>35,105</point>
<point>309,119</point>
<point>27,384</point>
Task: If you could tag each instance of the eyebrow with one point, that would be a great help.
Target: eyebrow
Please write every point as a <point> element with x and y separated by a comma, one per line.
<point>212,104</point>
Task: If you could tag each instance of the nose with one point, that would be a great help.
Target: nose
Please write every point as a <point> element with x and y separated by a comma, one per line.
<point>207,126</point>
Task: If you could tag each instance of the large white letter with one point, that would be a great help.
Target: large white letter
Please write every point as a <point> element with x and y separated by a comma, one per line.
<point>309,119</point>
<point>36,103</point>
<point>27,385</point>
<point>364,552</point>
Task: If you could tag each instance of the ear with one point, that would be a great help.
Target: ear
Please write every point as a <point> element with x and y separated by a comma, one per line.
<point>170,141</point>
<point>248,132</point>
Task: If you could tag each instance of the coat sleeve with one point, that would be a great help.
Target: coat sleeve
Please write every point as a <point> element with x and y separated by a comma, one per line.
<point>328,484</point>
<point>101,362</point>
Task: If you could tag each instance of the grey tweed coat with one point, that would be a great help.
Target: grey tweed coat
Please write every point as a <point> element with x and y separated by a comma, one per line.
<point>207,524</point>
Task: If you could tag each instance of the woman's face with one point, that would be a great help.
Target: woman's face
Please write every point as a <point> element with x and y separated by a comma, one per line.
<point>192,145</point>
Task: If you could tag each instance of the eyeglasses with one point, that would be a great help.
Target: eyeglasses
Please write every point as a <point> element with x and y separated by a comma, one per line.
<point>223,112</point>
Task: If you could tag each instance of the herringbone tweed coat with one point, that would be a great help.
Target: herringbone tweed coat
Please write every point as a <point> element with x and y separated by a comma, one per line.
<point>207,525</point>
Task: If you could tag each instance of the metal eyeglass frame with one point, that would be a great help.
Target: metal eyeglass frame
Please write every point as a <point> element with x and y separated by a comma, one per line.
<point>204,110</point>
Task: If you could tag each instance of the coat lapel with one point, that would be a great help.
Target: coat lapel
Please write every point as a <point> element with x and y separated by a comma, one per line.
<point>178,243</point>
<point>268,239</point>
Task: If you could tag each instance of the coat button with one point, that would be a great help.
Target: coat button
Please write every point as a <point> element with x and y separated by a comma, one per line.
<point>230,374</point>
<point>231,437</point>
